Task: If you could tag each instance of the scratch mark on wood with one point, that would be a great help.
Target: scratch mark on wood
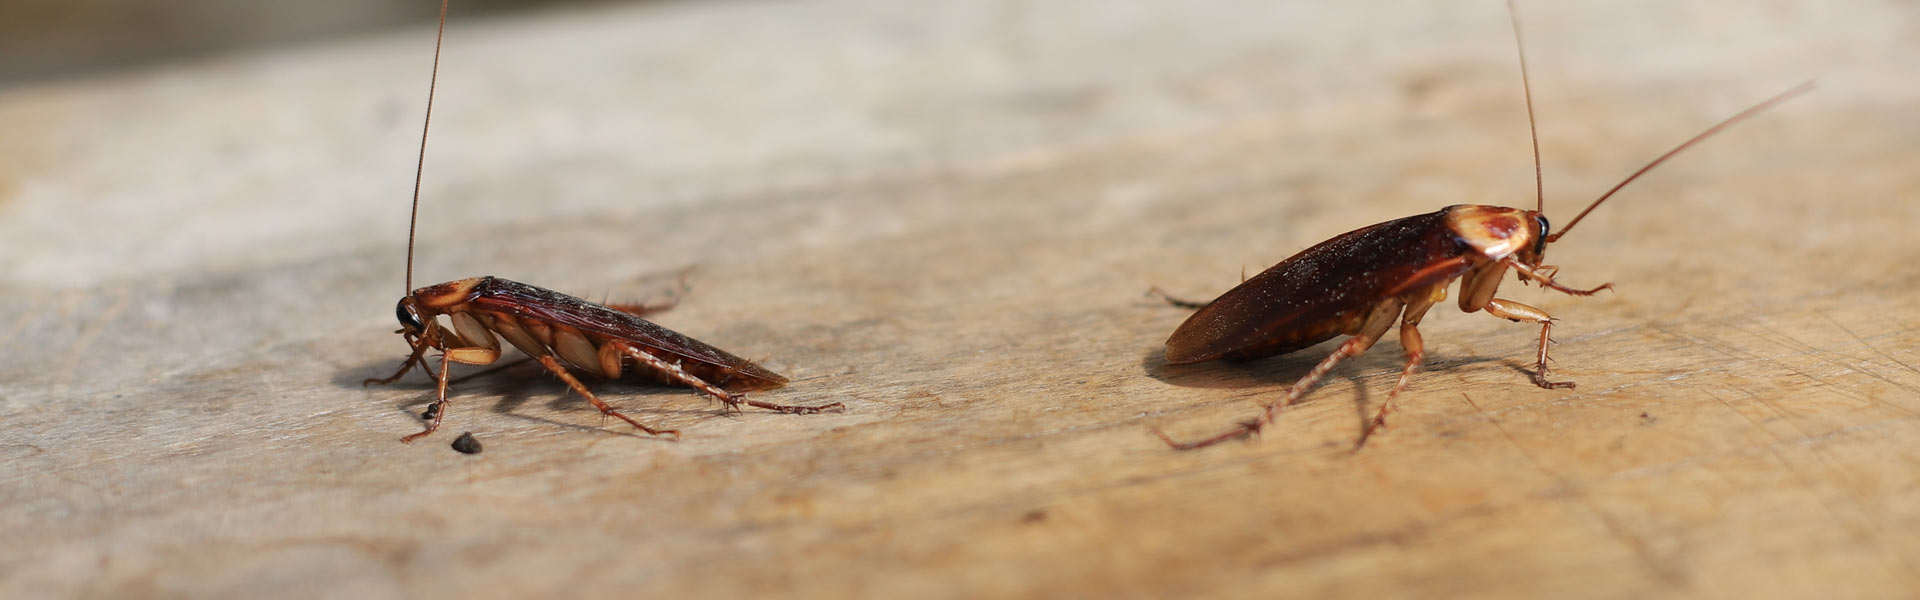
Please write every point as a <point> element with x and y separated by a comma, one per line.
<point>1824,355</point>
<point>1876,350</point>
<point>1651,563</point>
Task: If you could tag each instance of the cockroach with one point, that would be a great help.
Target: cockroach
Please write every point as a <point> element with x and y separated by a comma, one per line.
<point>1360,282</point>
<point>563,333</point>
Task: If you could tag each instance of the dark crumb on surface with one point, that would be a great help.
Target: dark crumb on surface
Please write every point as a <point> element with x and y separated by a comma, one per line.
<point>432,409</point>
<point>466,443</point>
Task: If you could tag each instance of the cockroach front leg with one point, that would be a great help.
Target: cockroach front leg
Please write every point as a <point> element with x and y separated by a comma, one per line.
<point>1517,312</point>
<point>439,408</point>
<point>473,345</point>
<point>419,349</point>
<point>1545,274</point>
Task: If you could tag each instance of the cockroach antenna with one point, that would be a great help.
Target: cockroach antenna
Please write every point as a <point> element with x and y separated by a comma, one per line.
<point>1533,130</point>
<point>419,167</point>
<point>1769,103</point>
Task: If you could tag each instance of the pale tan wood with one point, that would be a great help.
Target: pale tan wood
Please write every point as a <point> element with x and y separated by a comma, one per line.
<point>945,216</point>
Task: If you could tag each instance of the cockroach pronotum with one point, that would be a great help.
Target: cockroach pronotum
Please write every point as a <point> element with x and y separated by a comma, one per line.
<point>563,333</point>
<point>1359,283</point>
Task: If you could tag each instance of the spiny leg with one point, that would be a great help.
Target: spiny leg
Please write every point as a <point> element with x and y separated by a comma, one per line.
<point>439,408</point>
<point>1416,351</point>
<point>1546,279</point>
<point>553,364</point>
<point>1515,311</point>
<point>1377,323</point>
<point>1170,299</point>
<point>419,349</point>
<point>494,369</point>
<point>1294,393</point>
<point>678,375</point>
<point>642,309</point>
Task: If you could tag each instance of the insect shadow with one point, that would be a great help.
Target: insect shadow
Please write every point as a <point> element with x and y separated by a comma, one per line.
<point>1277,372</point>
<point>519,381</point>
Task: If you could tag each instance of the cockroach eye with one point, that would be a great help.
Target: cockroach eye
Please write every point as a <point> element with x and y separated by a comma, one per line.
<point>407,319</point>
<point>1540,240</point>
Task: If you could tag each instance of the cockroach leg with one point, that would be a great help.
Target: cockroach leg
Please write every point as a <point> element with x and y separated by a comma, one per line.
<point>1377,322</point>
<point>418,351</point>
<point>553,364</point>
<point>1170,299</point>
<point>792,409</point>
<point>1416,352</point>
<point>1517,312</point>
<point>681,286</point>
<point>645,308</point>
<point>439,408</point>
<point>1545,277</point>
<point>493,369</point>
<point>673,372</point>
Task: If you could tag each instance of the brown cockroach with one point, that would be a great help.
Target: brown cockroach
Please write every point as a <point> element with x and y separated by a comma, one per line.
<point>563,333</point>
<point>1359,283</point>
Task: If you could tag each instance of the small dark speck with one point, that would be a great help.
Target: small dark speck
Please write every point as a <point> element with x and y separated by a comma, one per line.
<point>466,444</point>
<point>1038,515</point>
<point>432,409</point>
<point>1646,419</point>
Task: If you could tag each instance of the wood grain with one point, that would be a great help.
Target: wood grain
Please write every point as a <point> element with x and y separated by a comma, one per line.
<point>945,217</point>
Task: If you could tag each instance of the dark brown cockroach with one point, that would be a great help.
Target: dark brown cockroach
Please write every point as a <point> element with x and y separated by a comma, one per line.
<point>563,333</point>
<point>1359,283</point>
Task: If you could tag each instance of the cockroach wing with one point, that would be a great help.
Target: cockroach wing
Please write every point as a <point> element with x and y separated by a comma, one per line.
<point>522,300</point>
<point>1322,291</point>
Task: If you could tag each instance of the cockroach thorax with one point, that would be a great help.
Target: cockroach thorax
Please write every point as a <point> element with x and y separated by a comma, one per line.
<point>441,296</point>
<point>1498,232</point>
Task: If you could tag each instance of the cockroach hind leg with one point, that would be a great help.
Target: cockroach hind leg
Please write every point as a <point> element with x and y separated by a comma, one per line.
<point>1156,292</point>
<point>1243,430</point>
<point>673,372</point>
<point>792,409</point>
<point>682,286</point>
<point>1540,379</point>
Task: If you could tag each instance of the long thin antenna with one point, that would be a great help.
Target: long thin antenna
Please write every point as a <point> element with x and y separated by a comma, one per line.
<point>1533,131</point>
<point>1769,103</point>
<point>413,219</point>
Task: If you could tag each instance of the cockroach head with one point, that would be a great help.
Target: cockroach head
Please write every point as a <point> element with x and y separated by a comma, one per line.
<point>408,311</point>
<point>1538,252</point>
<point>419,308</point>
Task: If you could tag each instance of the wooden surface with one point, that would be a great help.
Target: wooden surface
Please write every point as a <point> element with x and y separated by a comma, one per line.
<point>945,216</point>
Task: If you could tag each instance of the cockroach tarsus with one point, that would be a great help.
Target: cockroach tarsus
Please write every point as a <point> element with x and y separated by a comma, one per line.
<point>563,333</point>
<point>1360,283</point>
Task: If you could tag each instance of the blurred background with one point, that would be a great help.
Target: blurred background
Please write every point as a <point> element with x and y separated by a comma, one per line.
<point>53,39</point>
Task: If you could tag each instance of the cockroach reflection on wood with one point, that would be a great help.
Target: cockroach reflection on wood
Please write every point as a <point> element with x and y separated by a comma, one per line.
<point>563,333</point>
<point>1360,283</point>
